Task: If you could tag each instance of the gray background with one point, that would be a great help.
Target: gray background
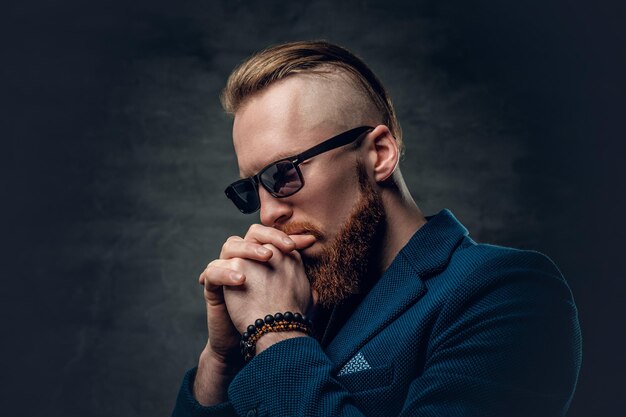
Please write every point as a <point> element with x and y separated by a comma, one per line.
<point>116,152</point>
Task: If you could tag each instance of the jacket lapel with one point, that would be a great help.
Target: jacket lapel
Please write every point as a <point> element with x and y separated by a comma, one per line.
<point>401,285</point>
<point>393,294</point>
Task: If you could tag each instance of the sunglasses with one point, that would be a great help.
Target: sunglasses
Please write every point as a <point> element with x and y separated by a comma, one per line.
<point>283,178</point>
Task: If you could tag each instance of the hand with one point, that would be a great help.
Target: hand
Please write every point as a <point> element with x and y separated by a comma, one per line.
<point>278,284</point>
<point>274,274</point>
<point>223,343</point>
<point>221,359</point>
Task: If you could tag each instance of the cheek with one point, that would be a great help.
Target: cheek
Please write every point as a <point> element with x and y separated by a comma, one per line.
<point>328,197</point>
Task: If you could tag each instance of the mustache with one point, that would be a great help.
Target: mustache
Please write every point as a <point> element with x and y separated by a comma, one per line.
<point>301,228</point>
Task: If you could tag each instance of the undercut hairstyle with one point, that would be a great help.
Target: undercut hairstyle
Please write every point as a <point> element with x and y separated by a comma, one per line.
<point>280,61</point>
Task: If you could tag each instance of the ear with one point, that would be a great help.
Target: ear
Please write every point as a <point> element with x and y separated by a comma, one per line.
<point>383,153</point>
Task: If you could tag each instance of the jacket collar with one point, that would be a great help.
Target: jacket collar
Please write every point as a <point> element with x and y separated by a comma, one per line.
<point>427,252</point>
<point>430,248</point>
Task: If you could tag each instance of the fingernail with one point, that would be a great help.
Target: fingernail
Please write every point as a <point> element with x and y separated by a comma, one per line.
<point>236,277</point>
<point>263,251</point>
<point>288,241</point>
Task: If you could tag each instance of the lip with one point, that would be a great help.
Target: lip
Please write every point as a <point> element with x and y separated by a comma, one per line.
<point>300,232</point>
<point>317,237</point>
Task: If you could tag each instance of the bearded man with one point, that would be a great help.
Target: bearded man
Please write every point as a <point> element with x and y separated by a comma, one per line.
<point>346,299</point>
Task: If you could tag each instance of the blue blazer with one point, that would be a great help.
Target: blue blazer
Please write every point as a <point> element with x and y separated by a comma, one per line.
<point>453,328</point>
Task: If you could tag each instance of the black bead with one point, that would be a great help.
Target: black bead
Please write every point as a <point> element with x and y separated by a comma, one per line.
<point>288,316</point>
<point>297,317</point>
<point>245,336</point>
<point>259,323</point>
<point>269,319</point>
<point>278,316</point>
<point>242,344</point>
<point>251,329</point>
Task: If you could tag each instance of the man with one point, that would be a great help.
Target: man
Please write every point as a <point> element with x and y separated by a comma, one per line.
<point>411,316</point>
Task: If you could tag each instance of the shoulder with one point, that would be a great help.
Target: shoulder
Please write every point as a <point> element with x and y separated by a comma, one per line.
<point>481,272</point>
<point>485,258</point>
<point>483,263</point>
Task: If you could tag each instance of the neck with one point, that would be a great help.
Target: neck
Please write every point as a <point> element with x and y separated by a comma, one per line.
<point>403,219</point>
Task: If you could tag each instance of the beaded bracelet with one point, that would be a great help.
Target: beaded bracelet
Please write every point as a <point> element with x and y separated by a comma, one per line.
<point>279,322</point>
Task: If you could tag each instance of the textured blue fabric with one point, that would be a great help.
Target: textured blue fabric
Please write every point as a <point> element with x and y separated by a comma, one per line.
<point>453,328</point>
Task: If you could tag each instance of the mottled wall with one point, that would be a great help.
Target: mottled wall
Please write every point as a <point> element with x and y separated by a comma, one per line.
<point>116,153</point>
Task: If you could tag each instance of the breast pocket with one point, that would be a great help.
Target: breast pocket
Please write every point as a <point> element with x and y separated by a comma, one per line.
<point>367,379</point>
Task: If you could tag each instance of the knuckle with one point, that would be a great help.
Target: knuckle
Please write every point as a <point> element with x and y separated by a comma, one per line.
<point>271,247</point>
<point>254,229</point>
<point>296,255</point>
<point>227,245</point>
<point>276,252</point>
<point>236,264</point>
<point>212,272</point>
<point>249,246</point>
<point>214,278</point>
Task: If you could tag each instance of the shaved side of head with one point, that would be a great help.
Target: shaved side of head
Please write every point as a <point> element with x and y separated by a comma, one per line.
<point>363,96</point>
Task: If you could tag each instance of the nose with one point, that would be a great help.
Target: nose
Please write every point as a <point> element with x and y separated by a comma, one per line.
<point>274,210</point>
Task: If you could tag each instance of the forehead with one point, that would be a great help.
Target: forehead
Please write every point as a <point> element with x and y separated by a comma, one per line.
<point>289,117</point>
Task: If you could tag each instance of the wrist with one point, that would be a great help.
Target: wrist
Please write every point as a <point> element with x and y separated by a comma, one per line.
<point>213,377</point>
<point>288,323</point>
<point>227,362</point>
<point>216,363</point>
<point>270,339</point>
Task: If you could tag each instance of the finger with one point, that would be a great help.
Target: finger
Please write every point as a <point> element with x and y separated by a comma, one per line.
<point>263,234</point>
<point>303,241</point>
<point>216,276</point>
<point>201,279</point>
<point>246,250</point>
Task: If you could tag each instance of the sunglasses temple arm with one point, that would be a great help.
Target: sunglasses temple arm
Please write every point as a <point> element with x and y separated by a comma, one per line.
<point>340,140</point>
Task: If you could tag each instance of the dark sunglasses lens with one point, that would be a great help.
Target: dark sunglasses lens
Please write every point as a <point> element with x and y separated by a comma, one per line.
<point>281,179</point>
<point>244,195</point>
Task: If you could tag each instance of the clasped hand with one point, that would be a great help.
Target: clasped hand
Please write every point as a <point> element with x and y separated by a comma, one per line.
<point>259,274</point>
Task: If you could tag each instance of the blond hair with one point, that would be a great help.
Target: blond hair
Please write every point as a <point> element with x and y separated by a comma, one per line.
<point>278,62</point>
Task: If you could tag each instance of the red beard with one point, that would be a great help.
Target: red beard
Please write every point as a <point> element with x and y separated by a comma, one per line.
<point>340,270</point>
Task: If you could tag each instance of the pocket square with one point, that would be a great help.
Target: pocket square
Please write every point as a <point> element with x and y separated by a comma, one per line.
<point>356,364</point>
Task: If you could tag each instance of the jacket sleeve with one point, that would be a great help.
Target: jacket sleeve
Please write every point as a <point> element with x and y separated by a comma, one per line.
<point>290,378</point>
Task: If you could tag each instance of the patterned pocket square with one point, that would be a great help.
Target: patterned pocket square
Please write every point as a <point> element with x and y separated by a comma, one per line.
<point>356,364</point>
